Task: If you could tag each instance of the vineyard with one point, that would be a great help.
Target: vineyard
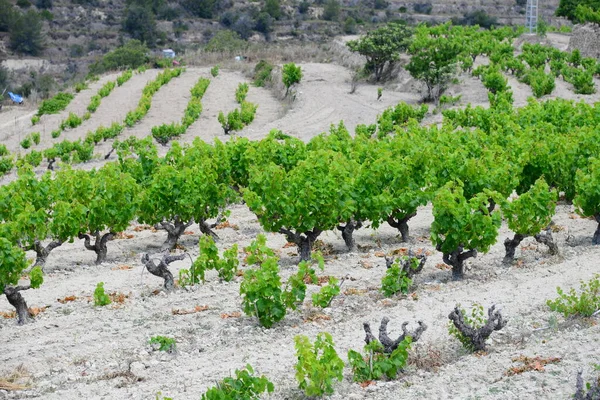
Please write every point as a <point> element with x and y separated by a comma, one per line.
<point>168,233</point>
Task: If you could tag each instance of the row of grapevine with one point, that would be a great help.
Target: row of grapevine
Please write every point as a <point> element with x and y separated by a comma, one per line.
<point>164,133</point>
<point>73,152</point>
<point>467,167</point>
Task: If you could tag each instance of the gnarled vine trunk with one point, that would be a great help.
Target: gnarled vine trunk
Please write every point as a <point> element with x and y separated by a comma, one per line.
<point>99,246</point>
<point>42,252</point>
<point>456,260</point>
<point>174,232</point>
<point>545,237</point>
<point>478,336</point>
<point>596,238</point>
<point>401,224</point>
<point>206,228</point>
<point>162,268</point>
<point>14,297</point>
<point>510,245</point>
<point>304,241</point>
<point>347,233</point>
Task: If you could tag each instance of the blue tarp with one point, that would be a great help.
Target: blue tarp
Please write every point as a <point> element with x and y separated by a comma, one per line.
<point>15,98</point>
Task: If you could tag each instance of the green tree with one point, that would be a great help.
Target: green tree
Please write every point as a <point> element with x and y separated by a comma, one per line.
<point>434,58</point>
<point>200,8</point>
<point>382,47</point>
<point>131,55</point>
<point>26,33</point>
<point>273,8</point>
<point>462,227</point>
<point>575,10</point>
<point>331,11</point>
<point>12,265</point>
<point>140,23</point>
<point>7,14</point>
<point>527,215</point>
<point>312,197</point>
<point>587,199</point>
<point>291,74</point>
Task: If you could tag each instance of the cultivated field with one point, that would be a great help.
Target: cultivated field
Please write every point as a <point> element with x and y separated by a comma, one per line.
<point>74,350</point>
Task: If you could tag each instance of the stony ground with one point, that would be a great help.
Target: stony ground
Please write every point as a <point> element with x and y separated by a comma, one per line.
<point>75,350</point>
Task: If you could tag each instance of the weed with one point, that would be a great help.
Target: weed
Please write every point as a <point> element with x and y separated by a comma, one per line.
<point>100,297</point>
<point>163,343</point>
<point>584,304</point>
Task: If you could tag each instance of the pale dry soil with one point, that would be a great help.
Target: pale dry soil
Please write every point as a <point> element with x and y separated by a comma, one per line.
<point>78,351</point>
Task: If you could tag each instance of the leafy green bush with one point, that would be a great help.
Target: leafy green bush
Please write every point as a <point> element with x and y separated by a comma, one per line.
<point>244,386</point>
<point>100,297</point>
<point>291,74</point>
<point>262,73</point>
<point>3,150</point>
<point>55,133</point>
<point>55,104</point>
<point>72,121</point>
<point>587,198</point>
<point>376,364</point>
<point>132,55</point>
<point>163,343</point>
<point>26,143</point>
<point>6,165</point>
<point>209,259</point>
<point>214,71</point>
<point>94,103</point>
<point>35,119</point>
<point>318,364</point>
<point>124,77</point>
<point>476,320</point>
<point>397,279</point>
<point>106,89</point>
<point>585,304</point>
<point>540,82</point>
<point>35,136</point>
<point>33,158</point>
<point>327,293</point>
<point>247,112</point>
<point>163,133</point>
<point>399,116</point>
<point>80,86</point>
<point>241,92</point>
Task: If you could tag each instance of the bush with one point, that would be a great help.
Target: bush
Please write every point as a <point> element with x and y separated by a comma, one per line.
<point>56,133</point>
<point>318,365</point>
<point>26,33</point>
<point>106,89</point>
<point>475,319</point>
<point>80,86</point>
<point>3,150</point>
<point>243,386</point>
<point>100,297</point>
<point>55,104</point>
<point>327,293</point>
<point>35,119</point>
<point>163,343</point>
<point>124,77</point>
<point>241,92</point>
<point>262,73</point>
<point>541,83</point>
<point>214,71</point>
<point>376,364</point>
<point>72,121</point>
<point>585,304</point>
<point>209,259</point>
<point>35,136</point>
<point>226,41</point>
<point>6,165</point>
<point>291,75</point>
<point>247,112</point>
<point>422,8</point>
<point>132,55</point>
<point>26,143</point>
<point>94,103</point>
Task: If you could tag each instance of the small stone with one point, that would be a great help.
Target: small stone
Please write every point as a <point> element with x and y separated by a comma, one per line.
<point>137,368</point>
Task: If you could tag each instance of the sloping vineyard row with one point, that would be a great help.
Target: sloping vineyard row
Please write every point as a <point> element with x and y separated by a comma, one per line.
<point>468,168</point>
